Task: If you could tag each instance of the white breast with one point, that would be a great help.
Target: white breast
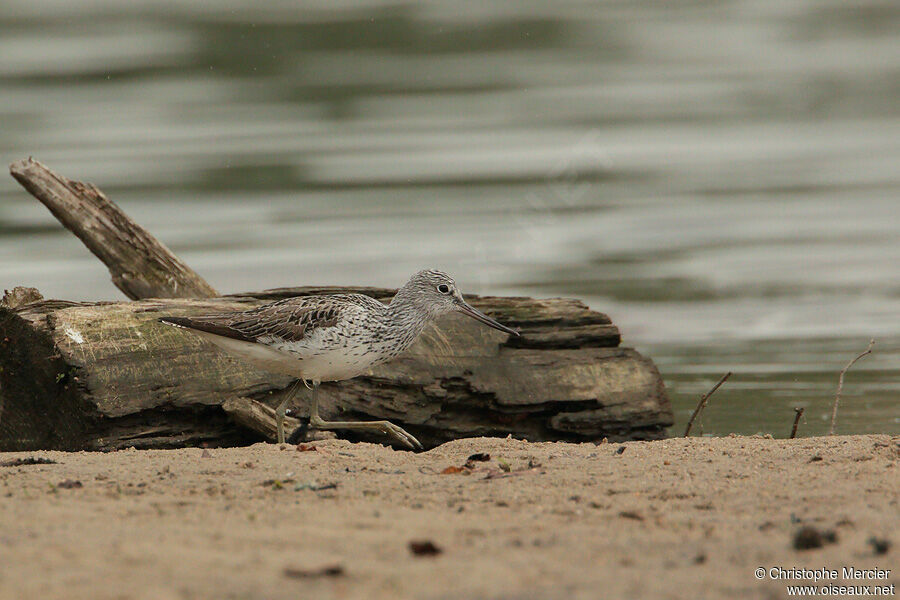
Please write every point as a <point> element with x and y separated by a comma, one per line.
<point>326,355</point>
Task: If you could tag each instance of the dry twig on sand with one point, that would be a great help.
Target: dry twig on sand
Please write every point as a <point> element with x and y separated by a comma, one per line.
<point>702,404</point>
<point>840,388</point>
<point>799,412</point>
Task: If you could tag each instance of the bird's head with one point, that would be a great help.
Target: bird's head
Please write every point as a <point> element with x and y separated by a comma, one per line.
<point>436,293</point>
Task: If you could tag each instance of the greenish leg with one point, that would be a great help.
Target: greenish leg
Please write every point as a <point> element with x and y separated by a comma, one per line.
<point>385,427</point>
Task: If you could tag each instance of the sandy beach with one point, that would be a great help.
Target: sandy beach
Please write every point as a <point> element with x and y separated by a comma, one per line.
<point>679,518</point>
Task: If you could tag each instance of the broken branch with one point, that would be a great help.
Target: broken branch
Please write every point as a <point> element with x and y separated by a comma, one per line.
<point>140,265</point>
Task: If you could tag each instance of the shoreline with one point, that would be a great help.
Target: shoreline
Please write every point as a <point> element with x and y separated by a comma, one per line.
<point>674,518</point>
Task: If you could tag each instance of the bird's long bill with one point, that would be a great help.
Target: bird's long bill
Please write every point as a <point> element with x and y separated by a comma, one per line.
<point>479,316</point>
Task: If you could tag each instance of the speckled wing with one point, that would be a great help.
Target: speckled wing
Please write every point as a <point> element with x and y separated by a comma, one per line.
<point>286,320</point>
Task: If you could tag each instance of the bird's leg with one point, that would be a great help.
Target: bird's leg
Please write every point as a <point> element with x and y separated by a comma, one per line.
<point>279,412</point>
<point>385,427</point>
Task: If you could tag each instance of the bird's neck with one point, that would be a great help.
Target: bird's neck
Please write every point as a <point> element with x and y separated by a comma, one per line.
<point>407,318</point>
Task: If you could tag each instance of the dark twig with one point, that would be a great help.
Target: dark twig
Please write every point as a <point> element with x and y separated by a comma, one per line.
<point>799,412</point>
<point>840,388</point>
<point>702,404</point>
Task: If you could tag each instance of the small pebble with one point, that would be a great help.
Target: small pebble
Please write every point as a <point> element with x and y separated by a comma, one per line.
<point>880,545</point>
<point>809,538</point>
<point>424,548</point>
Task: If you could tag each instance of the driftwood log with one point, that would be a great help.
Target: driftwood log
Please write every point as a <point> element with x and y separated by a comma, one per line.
<point>94,375</point>
<point>108,375</point>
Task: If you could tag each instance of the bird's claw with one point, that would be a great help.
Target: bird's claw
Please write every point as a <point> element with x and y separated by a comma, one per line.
<point>401,435</point>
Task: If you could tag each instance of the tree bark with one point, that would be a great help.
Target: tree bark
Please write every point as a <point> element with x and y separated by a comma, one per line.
<point>100,376</point>
<point>140,265</point>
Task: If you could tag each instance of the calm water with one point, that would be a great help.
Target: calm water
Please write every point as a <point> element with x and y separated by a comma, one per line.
<point>722,178</point>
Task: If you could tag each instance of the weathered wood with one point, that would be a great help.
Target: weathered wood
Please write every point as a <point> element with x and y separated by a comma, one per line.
<point>256,416</point>
<point>19,296</point>
<point>140,265</point>
<point>259,417</point>
<point>108,375</point>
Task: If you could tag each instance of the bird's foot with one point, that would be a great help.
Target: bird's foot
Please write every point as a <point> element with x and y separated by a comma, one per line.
<point>385,427</point>
<point>400,434</point>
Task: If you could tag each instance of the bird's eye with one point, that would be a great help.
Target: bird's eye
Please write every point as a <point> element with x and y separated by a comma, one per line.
<point>444,288</point>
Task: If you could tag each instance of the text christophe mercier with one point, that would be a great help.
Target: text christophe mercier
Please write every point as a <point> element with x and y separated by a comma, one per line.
<point>799,573</point>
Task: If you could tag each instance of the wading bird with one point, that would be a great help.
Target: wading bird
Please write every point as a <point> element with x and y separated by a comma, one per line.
<point>334,337</point>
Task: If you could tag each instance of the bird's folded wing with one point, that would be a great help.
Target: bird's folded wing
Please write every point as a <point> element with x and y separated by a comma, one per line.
<point>287,320</point>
